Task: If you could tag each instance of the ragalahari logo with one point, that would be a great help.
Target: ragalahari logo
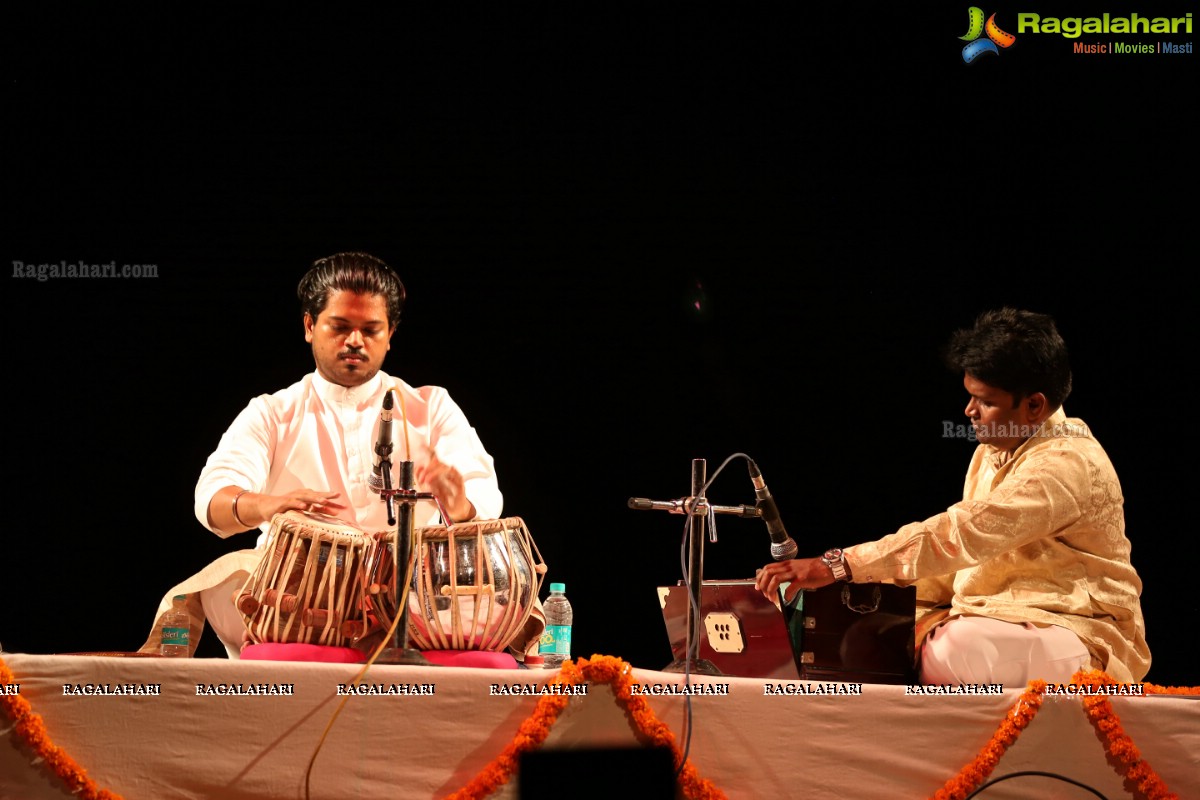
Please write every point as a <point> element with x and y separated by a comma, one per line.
<point>976,27</point>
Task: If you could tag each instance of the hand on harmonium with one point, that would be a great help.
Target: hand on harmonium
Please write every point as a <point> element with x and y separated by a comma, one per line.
<point>446,484</point>
<point>798,573</point>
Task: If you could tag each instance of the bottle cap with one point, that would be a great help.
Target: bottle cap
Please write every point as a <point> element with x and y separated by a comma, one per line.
<point>558,587</point>
<point>180,597</point>
<point>534,660</point>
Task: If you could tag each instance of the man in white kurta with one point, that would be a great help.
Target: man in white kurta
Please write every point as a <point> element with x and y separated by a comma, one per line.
<point>318,435</point>
<point>312,447</point>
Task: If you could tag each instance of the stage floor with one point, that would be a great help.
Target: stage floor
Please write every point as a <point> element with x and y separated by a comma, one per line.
<point>441,726</point>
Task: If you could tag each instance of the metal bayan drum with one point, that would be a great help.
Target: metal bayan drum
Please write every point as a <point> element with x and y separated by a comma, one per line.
<point>474,585</point>
<point>308,586</point>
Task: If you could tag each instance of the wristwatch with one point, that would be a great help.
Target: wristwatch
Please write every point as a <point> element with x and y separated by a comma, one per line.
<point>836,561</point>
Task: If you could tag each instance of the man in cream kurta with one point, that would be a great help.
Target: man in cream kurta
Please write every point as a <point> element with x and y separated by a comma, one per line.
<point>1030,575</point>
<point>1039,538</point>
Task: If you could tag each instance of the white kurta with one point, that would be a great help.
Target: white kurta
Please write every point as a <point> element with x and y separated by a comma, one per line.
<point>321,436</point>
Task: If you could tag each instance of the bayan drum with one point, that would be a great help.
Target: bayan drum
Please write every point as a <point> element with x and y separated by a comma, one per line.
<point>307,588</point>
<point>474,585</point>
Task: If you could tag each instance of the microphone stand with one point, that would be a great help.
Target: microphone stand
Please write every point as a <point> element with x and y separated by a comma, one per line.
<point>399,652</point>
<point>697,508</point>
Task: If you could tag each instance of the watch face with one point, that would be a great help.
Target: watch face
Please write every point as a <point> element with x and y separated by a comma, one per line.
<point>833,555</point>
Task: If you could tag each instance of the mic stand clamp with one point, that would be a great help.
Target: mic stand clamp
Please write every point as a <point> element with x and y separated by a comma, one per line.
<point>399,651</point>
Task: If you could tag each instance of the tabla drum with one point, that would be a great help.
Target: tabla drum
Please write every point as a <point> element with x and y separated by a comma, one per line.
<point>307,588</point>
<point>474,585</point>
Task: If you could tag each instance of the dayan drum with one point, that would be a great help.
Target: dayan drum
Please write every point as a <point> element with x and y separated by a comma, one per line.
<point>474,585</point>
<point>308,586</point>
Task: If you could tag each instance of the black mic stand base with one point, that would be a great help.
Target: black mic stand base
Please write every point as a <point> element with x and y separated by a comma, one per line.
<point>695,666</point>
<point>403,655</point>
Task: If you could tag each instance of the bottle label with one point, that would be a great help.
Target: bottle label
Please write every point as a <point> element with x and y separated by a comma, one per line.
<point>556,639</point>
<point>175,636</point>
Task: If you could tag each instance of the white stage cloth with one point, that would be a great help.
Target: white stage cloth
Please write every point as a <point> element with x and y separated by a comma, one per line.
<point>751,745</point>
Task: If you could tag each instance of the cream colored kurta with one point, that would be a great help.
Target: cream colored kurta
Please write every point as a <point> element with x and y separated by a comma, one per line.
<point>1038,537</point>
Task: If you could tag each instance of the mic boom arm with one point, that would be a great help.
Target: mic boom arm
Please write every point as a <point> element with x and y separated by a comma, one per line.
<point>691,505</point>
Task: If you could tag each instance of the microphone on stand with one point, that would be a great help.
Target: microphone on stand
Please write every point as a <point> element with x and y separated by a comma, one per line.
<point>383,448</point>
<point>783,546</point>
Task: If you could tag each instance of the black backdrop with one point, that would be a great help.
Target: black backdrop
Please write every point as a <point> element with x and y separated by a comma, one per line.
<point>628,243</point>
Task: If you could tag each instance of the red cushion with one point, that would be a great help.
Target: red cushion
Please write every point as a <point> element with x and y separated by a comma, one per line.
<point>290,651</point>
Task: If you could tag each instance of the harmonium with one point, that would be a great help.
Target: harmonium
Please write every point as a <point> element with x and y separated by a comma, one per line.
<point>854,632</point>
<point>847,632</point>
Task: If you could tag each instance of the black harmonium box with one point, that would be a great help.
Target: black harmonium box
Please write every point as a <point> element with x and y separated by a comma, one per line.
<point>854,632</point>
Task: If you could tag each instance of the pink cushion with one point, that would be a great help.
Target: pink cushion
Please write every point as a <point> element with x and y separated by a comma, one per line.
<point>471,658</point>
<point>271,651</point>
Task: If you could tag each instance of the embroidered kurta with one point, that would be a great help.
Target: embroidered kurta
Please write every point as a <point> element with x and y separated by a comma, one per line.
<point>1038,537</point>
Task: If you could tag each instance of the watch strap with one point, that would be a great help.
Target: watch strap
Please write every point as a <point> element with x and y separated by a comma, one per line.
<point>836,561</point>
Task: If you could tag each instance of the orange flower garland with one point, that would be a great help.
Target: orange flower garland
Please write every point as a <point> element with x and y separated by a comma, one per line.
<point>1100,713</point>
<point>976,772</point>
<point>534,730</point>
<point>1153,688</point>
<point>1118,744</point>
<point>30,728</point>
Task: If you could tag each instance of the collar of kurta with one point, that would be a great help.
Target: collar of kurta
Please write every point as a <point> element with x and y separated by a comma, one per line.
<point>346,395</point>
<point>1053,423</point>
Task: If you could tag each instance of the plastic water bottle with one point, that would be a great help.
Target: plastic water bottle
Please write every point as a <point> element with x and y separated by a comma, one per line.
<point>176,630</point>
<point>556,641</point>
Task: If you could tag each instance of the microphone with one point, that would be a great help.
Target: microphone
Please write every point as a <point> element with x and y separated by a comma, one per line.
<point>783,546</point>
<point>383,447</point>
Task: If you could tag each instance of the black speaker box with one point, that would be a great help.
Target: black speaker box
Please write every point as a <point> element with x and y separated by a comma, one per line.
<point>642,772</point>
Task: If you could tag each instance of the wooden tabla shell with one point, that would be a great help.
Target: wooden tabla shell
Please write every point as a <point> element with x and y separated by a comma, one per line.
<point>308,586</point>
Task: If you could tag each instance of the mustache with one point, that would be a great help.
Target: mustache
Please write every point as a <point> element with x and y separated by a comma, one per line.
<point>352,353</point>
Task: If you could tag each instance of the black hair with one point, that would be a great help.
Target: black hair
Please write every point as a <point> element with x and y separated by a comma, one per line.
<point>352,272</point>
<point>1020,352</point>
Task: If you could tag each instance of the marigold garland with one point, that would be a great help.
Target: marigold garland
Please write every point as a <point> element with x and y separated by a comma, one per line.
<point>1015,721</point>
<point>1100,713</point>
<point>1118,743</point>
<point>29,727</point>
<point>534,730</point>
<point>1153,688</point>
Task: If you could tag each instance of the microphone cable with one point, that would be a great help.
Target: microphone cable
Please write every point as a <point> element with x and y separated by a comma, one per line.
<point>1038,773</point>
